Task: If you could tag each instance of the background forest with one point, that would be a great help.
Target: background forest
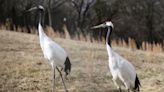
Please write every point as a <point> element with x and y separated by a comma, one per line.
<point>138,36</point>
<point>141,20</point>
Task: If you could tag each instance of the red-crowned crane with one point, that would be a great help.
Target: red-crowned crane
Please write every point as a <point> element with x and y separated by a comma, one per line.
<point>123,72</point>
<point>55,54</point>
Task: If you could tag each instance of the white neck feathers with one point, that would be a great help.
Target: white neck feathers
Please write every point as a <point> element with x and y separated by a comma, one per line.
<point>41,32</point>
<point>109,49</point>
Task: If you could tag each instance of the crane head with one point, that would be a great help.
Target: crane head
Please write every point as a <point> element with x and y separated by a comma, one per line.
<point>40,10</point>
<point>104,25</point>
<point>39,7</point>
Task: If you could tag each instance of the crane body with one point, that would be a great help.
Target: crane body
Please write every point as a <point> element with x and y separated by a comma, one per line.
<point>53,52</point>
<point>122,71</point>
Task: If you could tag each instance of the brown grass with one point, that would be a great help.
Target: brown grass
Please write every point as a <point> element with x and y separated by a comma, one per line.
<point>155,48</point>
<point>23,68</point>
<point>67,35</point>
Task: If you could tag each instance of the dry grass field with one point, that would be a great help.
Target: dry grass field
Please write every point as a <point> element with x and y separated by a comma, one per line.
<point>23,68</point>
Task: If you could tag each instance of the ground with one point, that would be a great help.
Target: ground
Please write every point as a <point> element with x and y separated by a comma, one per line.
<point>23,68</point>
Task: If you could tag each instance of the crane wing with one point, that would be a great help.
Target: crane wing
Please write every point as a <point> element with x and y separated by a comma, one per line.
<point>125,68</point>
<point>52,51</point>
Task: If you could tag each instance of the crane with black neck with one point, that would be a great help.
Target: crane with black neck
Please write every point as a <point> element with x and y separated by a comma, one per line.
<point>53,53</point>
<point>123,72</point>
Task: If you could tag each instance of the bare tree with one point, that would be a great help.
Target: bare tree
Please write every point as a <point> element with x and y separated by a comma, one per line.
<point>81,7</point>
<point>52,5</point>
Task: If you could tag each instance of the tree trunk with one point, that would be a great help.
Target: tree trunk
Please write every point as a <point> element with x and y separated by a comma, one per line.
<point>49,13</point>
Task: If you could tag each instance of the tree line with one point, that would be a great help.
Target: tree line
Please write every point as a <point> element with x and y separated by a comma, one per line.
<point>142,20</point>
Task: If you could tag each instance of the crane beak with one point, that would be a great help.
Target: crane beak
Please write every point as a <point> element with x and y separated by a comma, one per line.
<point>31,9</point>
<point>98,26</point>
<point>36,7</point>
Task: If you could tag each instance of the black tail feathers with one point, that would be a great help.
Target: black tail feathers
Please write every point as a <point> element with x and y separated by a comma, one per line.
<point>67,68</point>
<point>137,84</point>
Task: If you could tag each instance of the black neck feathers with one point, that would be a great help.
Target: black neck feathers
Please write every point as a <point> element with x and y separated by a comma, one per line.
<point>108,40</point>
<point>41,16</point>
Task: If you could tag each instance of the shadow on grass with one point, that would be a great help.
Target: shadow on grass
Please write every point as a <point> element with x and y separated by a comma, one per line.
<point>115,90</point>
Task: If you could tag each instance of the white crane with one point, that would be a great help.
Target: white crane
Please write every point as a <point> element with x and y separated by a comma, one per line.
<point>52,52</point>
<point>123,72</point>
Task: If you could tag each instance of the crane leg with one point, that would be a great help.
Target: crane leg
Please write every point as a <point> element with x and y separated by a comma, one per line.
<point>53,80</point>
<point>120,89</point>
<point>62,79</point>
<point>118,86</point>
